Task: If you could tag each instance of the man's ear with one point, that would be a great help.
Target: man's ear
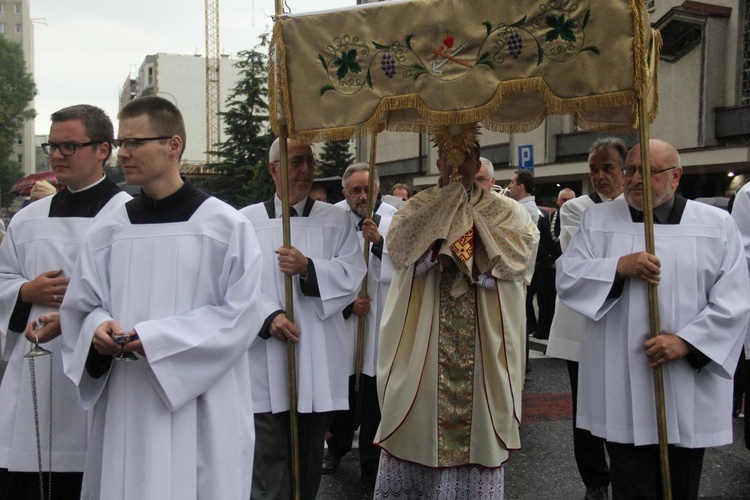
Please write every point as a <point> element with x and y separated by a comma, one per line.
<point>175,144</point>
<point>273,168</point>
<point>103,150</point>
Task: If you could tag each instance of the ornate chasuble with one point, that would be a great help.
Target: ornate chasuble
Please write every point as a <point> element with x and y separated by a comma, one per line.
<point>456,349</point>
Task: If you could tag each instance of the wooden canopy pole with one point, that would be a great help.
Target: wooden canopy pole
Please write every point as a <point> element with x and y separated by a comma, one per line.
<point>289,298</point>
<point>653,301</point>
<point>366,248</point>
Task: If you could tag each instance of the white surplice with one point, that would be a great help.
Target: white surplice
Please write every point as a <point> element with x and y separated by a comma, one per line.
<point>329,239</point>
<point>702,298</point>
<point>379,276</point>
<point>567,326</point>
<point>36,243</point>
<point>741,215</point>
<point>178,424</point>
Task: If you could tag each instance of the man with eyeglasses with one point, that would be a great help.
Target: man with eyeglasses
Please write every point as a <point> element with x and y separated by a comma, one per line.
<point>606,160</point>
<point>364,411</point>
<point>485,177</point>
<point>327,267</point>
<point>36,261</point>
<point>174,276</point>
<point>702,282</point>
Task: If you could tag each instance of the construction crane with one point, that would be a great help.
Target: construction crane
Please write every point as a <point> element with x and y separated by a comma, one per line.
<point>213,64</point>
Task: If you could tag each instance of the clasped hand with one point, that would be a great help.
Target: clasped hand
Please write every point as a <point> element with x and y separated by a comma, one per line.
<point>640,265</point>
<point>292,261</point>
<point>106,345</point>
<point>44,329</point>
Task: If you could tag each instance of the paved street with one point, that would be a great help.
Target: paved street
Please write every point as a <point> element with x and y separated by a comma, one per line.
<point>544,468</point>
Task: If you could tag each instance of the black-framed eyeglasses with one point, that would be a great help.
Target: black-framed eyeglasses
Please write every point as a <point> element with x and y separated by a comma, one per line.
<point>630,171</point>
<point>133,142</point>
<point>65,148</point>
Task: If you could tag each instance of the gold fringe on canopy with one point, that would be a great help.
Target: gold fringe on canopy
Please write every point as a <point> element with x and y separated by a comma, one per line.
<point>407,66</point>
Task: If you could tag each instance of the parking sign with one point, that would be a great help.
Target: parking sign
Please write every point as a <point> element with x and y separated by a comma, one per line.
<point>526,157</point>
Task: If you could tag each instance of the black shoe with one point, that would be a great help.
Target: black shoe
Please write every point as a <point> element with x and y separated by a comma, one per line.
<point>330,463</point>
<point>601,493</point>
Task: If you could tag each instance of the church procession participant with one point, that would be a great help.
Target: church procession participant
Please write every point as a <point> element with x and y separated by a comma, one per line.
<point>741,215</point>
<point>452,340</point>
<point>364,411</point>
<point>327,266</point>
<point>606,159</point>
<point>179,272</point>
<point>700,269</point>
<point>36,260</point>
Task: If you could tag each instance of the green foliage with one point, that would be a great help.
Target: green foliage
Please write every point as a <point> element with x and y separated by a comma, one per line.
<point>243,173</point>
<point>560,27</point>
<point>17,89</point>
<point>334,158</point>
<point>346,63</point>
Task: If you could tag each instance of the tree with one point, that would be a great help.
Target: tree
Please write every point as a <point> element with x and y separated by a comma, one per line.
<point>243,175</point>
<point>334,158</point>
<point>17,89</point>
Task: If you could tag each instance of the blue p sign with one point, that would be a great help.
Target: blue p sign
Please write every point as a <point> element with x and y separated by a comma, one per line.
<point>526,157</point>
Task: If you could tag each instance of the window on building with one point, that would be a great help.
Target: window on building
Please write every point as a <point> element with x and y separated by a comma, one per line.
<point>2,27</point>
<point>20,158</point>
<point>150,76</point>
<point>2,7</point>
<point>19,141</point>
<point>18,29</point>
<point>745,86</point>
<point>17,8</point>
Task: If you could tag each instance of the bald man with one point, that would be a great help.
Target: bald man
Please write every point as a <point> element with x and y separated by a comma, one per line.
<point>701,276</point>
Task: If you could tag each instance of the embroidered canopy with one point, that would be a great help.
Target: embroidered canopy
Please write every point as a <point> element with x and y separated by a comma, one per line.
<point>408,65</point>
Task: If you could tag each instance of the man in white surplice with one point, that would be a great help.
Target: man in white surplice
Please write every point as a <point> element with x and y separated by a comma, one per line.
<point>703,286</point>
<point>36,261</point>
<point>364,412</point>
<point>179,271</point>
<point>327,267</point>
<point>606,158</point>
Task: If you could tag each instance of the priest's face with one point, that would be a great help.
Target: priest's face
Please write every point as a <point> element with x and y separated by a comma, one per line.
<point>605,170</point>
<point>300,169</point>
<point>355,192</point>
<point>665,177</point>
<point>150,163</point>
<point>83,167</point>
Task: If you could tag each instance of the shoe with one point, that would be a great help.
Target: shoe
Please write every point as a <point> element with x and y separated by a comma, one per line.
<point>330,463</point>
<point>601,493</point>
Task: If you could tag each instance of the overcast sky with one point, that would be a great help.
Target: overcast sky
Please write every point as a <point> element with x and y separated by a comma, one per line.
<point>84,50</point>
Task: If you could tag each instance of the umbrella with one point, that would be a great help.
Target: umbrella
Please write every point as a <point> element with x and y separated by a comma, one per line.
<point>22,187</point>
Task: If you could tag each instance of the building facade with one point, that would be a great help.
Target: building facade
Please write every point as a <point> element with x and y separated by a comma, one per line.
<point>15,25</point>
<point>182,80</point>
<point>704,110</point>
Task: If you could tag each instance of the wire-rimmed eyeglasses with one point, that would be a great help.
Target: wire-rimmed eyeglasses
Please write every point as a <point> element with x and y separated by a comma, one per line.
<point>630,171</point>
<point>132,143</point>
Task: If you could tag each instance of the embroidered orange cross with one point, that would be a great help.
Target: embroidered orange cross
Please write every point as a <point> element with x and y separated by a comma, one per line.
<point>464,246</point>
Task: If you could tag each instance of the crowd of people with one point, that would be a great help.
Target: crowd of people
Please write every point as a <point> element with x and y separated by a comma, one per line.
<point>169,323</point>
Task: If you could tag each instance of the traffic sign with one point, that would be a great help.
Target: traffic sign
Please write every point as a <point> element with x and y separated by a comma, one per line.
<point>526,157</point>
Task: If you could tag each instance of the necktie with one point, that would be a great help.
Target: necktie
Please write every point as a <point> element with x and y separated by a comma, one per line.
<point>293,212</point>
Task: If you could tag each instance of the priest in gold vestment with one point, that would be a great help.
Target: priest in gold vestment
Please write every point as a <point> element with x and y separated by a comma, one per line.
<point>451,357</point>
